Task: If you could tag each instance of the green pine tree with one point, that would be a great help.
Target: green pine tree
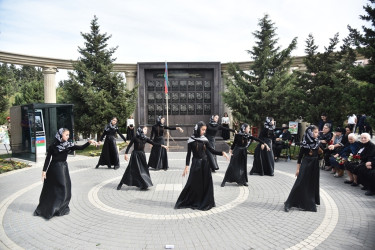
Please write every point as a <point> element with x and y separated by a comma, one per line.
<point>260,92</point>
<point>323,86</point>
<point>97,93</point>
<point>362,96</point>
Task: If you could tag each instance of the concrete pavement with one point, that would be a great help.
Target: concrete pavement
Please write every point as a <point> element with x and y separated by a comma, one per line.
<point>250,217</point>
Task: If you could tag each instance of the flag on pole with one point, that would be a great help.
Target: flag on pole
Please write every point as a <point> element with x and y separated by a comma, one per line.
<point>166,78</point>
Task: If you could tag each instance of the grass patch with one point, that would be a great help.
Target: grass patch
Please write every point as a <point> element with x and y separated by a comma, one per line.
<point>95,151</point>
<point>9,165</point>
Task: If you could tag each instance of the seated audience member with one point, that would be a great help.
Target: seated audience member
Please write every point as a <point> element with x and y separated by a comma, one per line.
<point>333,148</point>
<point>324,120</point>
<point>367,177</point>
<point>325,136</point>
<point>339,160</point>
<point>366,153</point>
<point>282,141</point>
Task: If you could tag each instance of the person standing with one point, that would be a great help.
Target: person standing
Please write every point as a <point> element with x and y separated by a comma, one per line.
<point>211,132</point>
<point>324,120</point>
<point>225,123</point>
<point>109,155</point>
<point>137,174</point>
<point>352,121</point>
<point>264,161</point>
<point>158,156</point>
<point>237,169</point>
<point>130,128</point>
<point>56,192</point>
<point>198,192</point>
<point>305,191</point>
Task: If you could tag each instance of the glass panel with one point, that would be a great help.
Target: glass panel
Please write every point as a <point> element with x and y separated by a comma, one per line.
<point>191,97</point>
<point>191,86</point>
<point>183,109</point>
<point>151,109</point>
<point>191,109</point>
<point>207,85</point>
<point>207,109</point>
<point>150,86</point>
<point>151,97</point>
<point>159,109</point>
<point>183,97</point>
<point>199,96</point>
<point>159,85</point>
<point>183,85</point>
<point>199,110</point>
<point>159,97</point>
<point>175,97</point>
<point>175,109</point>
<point>175,86</point>
<point>207,97</point>
<point>151,119</point>
<point>198,85</point>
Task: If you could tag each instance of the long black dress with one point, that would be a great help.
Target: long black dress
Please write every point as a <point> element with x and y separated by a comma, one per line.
<point>56,192</point>
<point>158,156</point>
<point>109,155</point>
<point>305,192</point>
<point>137,174</point>
<point>210,134</point>
<point>198,192</point>
<point>237,169</point>
<point>264,161</point>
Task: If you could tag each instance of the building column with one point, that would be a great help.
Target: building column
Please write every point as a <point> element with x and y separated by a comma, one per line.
<point>131,80</point>
<point>49,73</point>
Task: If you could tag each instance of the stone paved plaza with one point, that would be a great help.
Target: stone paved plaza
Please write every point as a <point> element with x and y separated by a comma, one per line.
<point>244,217</point>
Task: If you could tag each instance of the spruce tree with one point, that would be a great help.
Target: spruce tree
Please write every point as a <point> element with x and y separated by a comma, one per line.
<point>322,88</point>
<point>255,94</point>
<point>362,96</point>
<point>96,91</point>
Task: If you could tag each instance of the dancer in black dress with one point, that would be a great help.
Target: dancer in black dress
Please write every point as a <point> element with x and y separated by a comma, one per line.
<point>158,156</point>
<point>137,174</point>
<point>212,128</point>
<point>198,192</point>
<point>305,192</point>
<point>56,192</point>
<point>237,169</point>
<point>264,160</point>
<point>109,155</point>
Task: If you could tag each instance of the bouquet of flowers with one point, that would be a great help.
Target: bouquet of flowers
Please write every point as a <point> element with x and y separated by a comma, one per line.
<point>354,158</point>
<point>340,160</point>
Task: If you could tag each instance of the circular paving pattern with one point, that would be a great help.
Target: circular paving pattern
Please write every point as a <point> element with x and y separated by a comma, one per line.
<point>242,214</point>
<point>149,200</point>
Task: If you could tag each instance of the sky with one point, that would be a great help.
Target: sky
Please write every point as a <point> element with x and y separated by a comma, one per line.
<point>167,30</point>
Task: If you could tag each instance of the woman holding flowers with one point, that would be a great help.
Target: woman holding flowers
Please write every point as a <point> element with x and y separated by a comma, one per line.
<point>339,160</point>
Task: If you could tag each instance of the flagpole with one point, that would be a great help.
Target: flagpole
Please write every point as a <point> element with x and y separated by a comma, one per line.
<point>166,98</point>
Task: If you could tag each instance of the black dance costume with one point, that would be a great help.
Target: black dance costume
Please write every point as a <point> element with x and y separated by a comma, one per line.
<point>158,156</point>
<point>237,169</point>
<point>305,191</point>
<point>56,192</point>
<point>264,160</point>
<point>137,174</point>
<point>198,192</point>
<point>109,155</point>
<point>211,132</point>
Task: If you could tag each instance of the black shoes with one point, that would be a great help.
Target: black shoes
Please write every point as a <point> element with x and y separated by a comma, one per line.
<point>116,167</point>
<point>97,166</point>
<point>119,186</point>
<point>286,208</point>
<point>354,184</point>
<point>369,193</point>
<point>348,182</point>
<point>223,184</point>
<point>245,184</point>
